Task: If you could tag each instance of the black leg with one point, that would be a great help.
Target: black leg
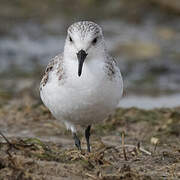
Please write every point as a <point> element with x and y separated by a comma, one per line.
<point>77,141</point>
<point>87,135</point>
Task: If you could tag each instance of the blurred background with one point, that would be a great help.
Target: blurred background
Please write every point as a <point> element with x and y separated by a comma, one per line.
<point>144,36</point>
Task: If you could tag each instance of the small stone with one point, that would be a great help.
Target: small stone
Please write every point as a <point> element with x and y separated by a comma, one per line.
<point>154,140</point>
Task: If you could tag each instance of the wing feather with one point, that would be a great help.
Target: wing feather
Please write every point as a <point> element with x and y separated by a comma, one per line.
<point>55,63</point>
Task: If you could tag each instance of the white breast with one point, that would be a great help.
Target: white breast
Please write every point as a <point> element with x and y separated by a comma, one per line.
<point>82,100</point>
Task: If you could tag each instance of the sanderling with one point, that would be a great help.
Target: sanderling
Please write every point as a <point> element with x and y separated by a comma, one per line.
<point>83,85</point>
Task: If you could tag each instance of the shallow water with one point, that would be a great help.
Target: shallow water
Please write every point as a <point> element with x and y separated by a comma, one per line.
<point>148,102</point>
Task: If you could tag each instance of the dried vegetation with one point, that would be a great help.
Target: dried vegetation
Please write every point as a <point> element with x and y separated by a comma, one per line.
<point>131,144</point>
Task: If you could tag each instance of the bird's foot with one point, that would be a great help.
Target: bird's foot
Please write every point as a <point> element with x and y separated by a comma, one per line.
<point>87,135</point>
<point>77,141</point>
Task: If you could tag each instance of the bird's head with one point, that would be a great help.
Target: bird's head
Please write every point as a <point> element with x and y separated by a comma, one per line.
<point>84,42</point>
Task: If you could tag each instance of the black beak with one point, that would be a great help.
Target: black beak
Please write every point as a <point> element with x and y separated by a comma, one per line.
<point>81,55</point>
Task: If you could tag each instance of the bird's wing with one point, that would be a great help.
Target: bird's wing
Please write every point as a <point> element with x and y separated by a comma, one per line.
<point>55,63</point>
<point>111,67</point>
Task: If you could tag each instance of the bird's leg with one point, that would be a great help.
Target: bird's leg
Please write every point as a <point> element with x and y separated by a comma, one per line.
<point>87,135</point>
<point>77,141</point>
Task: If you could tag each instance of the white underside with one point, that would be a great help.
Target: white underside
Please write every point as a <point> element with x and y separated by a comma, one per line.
<point>82,100</point>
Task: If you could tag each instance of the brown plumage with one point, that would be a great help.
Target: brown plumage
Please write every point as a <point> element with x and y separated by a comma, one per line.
<point>55,63</point>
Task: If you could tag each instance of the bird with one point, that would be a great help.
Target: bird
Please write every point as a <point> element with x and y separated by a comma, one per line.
<point>83,84</point>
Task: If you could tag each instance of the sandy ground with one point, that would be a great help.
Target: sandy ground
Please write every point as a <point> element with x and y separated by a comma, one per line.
<point>39,147</point>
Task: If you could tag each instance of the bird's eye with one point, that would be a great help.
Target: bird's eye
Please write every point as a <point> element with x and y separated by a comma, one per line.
<point>70,39</point>
<point>94,41</point>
